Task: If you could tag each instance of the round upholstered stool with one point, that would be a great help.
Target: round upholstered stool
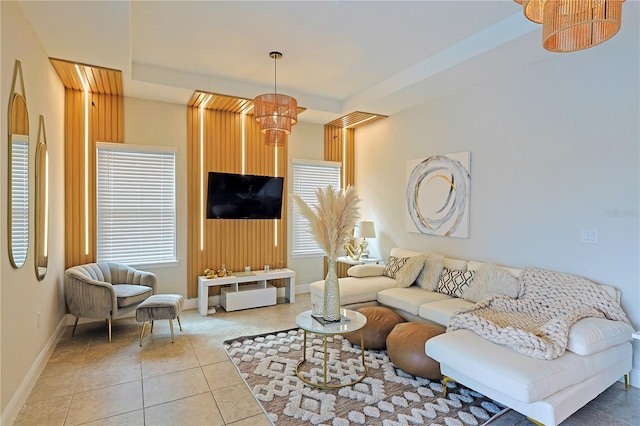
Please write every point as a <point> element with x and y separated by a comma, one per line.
<point>405,347</point>
<point>380,321</point>
<point>159,307</point>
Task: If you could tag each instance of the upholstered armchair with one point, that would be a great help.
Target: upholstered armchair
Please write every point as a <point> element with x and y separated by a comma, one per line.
<point>105,290</point>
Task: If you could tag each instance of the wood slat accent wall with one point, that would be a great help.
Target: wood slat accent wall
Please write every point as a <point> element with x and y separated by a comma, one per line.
<point>106,124</point>
<point>100,80</point>
<point>105,121</point>
<point>234,243</point>
<point>355,119</point>
<point>335,150</point>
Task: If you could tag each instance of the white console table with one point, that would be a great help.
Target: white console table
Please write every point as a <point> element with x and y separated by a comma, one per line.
<point>244,297</point>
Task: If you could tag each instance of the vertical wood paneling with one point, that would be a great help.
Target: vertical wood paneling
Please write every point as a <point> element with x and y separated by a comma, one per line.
<point>106,124</point>
<point>335,150</point>
<point>234,243</point>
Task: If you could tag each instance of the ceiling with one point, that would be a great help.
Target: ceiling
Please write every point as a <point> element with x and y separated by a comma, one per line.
<point>339,56</point>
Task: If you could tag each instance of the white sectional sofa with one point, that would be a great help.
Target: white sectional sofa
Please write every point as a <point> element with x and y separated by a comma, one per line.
<point>547,391</point>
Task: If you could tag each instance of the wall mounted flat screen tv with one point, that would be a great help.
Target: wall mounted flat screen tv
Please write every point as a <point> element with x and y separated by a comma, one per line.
<point>236,196</point>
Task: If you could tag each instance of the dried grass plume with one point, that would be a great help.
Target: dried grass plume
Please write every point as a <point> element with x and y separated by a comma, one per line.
<point>331,222</point>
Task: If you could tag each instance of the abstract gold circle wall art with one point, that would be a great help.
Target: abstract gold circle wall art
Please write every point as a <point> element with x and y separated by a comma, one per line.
<point>438,195</point>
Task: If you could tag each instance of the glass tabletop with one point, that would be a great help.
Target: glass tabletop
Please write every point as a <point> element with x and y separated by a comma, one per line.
<point>356,321</point>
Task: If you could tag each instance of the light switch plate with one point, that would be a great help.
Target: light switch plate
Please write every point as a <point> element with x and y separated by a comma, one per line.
<point>589,236</point>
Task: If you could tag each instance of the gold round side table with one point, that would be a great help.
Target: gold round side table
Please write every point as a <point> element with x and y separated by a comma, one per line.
<point>355,321</point>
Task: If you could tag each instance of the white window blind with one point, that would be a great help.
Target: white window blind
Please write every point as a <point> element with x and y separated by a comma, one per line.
<point>308,176</point>
<point>19,198</point>
<point>136,204</point>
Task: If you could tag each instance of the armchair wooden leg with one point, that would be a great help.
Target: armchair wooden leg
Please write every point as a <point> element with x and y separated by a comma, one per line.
<point>171,327</point>
<point>179,323</point>
<point>75,324</point>
<point>109,321</point>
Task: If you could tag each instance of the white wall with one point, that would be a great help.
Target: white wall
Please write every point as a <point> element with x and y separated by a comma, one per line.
<point>554,149</point>
<point>22,296</point>
<point>306,141</point>
<point>164,124</point>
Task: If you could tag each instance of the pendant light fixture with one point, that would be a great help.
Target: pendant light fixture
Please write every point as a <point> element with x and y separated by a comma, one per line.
<point>575,25</point>
<point>570,25</point>
<point>534,10</point>
<point>275,112</point>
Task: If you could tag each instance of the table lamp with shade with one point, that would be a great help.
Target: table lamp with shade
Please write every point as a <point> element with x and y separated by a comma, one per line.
<point>364,230</point>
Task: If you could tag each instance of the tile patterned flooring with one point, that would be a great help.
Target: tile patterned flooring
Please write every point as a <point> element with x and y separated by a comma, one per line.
<point>89,381</point>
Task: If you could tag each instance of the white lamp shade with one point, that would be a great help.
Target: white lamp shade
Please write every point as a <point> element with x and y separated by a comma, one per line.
<point>365,229</point>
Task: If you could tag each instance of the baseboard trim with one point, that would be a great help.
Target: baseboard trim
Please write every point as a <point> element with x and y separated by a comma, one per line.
<point>19,398</point>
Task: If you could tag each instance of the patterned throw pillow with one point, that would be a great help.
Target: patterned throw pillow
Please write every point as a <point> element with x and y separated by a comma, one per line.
<point>393,266</point>
<point>454,282</point>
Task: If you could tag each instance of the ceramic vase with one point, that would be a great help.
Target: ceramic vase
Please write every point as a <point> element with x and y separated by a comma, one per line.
<point>331,293</point>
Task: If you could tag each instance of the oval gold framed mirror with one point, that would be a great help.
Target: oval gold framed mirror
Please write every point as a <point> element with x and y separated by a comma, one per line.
<point>41,220</point>
<point>18,179</point>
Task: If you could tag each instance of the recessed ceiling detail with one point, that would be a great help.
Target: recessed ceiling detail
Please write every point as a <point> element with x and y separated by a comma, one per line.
<point>227,103</point>
<point>98,79</point>
<point>356,119</point>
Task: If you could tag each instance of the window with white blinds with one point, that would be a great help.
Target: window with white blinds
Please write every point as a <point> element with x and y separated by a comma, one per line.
<point>19,198</point>
<point>307,177</point>
<point>136,204</point>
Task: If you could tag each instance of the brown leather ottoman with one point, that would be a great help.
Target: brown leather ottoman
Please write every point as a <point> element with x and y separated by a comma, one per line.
<point>380,322</point>
<point>405,347</point>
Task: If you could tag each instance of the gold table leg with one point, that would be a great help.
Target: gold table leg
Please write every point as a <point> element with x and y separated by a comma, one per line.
<point>324,385</point>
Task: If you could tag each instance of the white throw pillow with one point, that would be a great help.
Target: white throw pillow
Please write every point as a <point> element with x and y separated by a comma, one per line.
<point>408,273</point>
<point>361,271</point>
<point>491,279</point>
<point>430,273</point>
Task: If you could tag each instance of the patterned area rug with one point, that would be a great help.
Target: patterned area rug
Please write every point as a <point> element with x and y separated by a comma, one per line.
<point>387,396</point>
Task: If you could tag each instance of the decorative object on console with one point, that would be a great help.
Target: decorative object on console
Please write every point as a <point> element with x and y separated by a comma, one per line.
<point>364,230</point>
<point>331,224</point>
<point>275,113</point>
<point>571,25</point>
<point>353,253</point>
<point>438,195</point>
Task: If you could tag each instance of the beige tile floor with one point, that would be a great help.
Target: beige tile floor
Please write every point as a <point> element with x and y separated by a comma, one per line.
<point>89,381</point>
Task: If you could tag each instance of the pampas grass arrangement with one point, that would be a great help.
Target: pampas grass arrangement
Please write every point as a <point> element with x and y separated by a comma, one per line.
<point>331,224</point>
<point>332,221</point>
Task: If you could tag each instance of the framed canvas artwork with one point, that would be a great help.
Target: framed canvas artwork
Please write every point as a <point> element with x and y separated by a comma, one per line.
<point>438,195</point>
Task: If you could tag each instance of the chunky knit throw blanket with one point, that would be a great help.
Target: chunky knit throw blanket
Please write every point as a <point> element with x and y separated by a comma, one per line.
<point>537,324</point>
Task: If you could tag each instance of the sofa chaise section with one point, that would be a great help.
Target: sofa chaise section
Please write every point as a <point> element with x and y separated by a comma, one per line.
<point>547,391</point>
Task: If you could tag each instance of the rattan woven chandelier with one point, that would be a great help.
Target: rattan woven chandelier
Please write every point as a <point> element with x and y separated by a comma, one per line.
<point>570,25</point>
<point>275,112</point>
